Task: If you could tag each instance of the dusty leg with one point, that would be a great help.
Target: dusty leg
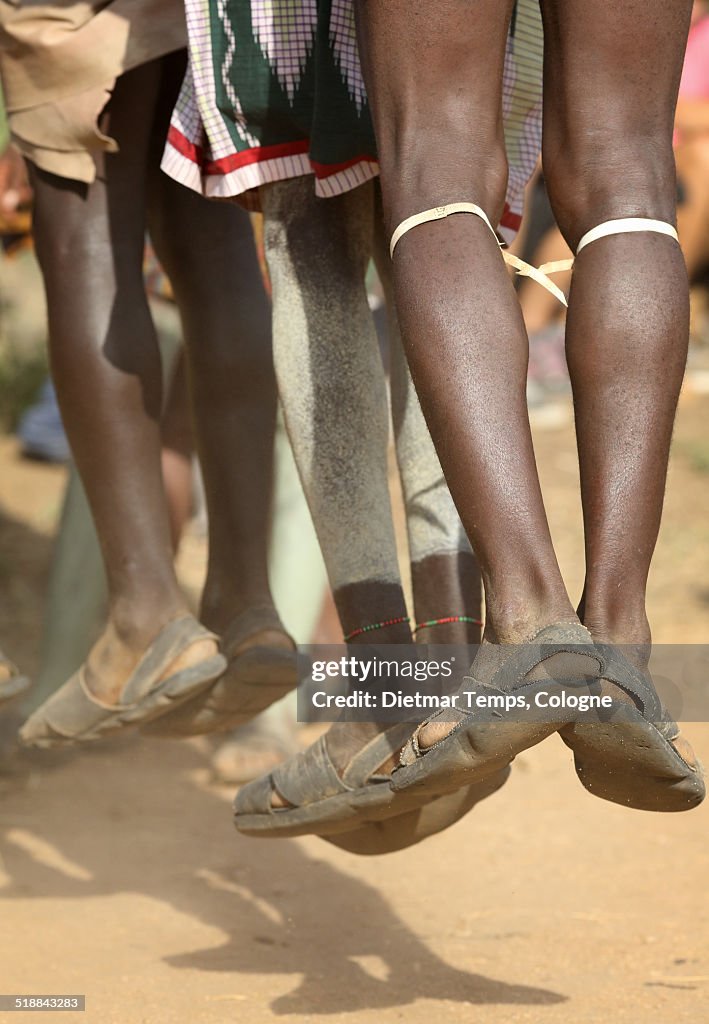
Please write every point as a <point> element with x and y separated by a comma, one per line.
<point>334,398</point>
<point>332,387</point>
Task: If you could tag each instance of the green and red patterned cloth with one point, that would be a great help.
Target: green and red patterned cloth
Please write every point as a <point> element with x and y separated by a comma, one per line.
<point>274,90</point>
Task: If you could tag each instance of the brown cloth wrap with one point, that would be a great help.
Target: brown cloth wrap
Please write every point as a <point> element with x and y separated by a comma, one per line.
<point>59,63</point>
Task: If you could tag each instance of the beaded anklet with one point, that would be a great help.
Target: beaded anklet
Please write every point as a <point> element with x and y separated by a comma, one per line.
<point>444,622</point>
<point>376,625</point>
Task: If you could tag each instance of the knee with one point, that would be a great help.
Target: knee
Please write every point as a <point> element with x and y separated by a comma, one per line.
<point>604,175</point>
<point>446,165</point>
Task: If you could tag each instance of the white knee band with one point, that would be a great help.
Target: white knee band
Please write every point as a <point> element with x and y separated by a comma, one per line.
<point>626,226</point>
<point>437,213</point>
<point>622,226</point>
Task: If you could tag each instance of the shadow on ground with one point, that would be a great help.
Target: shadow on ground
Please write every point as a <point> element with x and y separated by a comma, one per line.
<point>134,818</point>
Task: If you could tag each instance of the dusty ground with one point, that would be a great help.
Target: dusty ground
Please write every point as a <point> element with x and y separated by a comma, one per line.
<point>121,876</point>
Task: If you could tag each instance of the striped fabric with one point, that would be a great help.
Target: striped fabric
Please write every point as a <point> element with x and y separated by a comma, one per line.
<point>274,90</point>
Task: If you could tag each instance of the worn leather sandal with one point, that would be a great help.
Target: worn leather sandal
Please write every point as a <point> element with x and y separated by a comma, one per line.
<point>630,757</point>
<point>483,741</point>
<point>255,678</point>
<point>74,715</point>
<point>13,684</point>
<point>322,801</point>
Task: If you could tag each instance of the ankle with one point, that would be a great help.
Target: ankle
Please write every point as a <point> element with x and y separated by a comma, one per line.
<point>523,599</point>
<point>616,621</point>
<point>449,629</point>
<point>634,638</point>
<point>516,621</point>
<point>136,623</point>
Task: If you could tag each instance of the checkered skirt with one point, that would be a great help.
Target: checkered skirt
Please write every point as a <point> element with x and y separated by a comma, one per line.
<point>274,90</point>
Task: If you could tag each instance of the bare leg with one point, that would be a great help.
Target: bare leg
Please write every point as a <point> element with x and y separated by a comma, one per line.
<point>106,368</point>
<point>332,387</point>
<point>596,172</point>
<point>208,251</point>
<point>627,327</point>
<point>445,574</point>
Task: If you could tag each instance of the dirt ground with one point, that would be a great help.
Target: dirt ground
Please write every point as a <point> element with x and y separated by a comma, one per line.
<point>121,876</point>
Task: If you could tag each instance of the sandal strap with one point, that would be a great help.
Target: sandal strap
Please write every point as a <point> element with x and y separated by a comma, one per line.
<point>308,777</point>
<point>311,776</point>
<point>363,766</point>
<point>174,638</point>
<point>617,669</point>
<point>559,638</point>
<point>73,710</point>
<point>256,797</point>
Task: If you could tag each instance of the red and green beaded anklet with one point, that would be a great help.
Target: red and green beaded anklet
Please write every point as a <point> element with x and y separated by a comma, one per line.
<point>444,622</point>
<point>376,625</point>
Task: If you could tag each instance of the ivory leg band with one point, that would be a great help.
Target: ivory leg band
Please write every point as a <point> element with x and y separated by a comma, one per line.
<point>437,213</point>
<point>622,226</point>
<point>626,226</point>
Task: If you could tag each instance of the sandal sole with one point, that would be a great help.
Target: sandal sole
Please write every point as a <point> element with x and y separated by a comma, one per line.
<point>373,839</point>
<point>335,814</point>
<point>628,762</point>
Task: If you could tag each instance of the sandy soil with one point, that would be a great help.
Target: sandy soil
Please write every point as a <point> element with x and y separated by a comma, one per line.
<point>121,876</point>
